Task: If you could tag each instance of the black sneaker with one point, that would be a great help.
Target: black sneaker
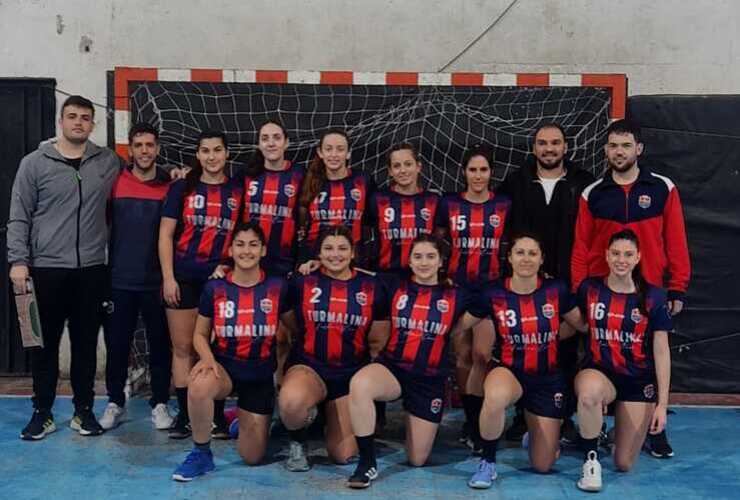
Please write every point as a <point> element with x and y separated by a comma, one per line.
<point>363,476</point>
<point>517,429</point>
<point>181,428</point>
<point>568,433</point>
<point>657,445</point>
<point>220,428</point>
<point>41,424</point>
<point>85,423</point>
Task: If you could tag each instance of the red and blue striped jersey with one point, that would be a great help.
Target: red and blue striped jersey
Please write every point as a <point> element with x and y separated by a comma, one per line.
<point>271,200</point>
<point>398,219</point>
<point>206,217</point>
<point>334,318</point>
<point>245,322</point>
<point>620,335</point>
<point>339,203</point>
<point>475,232</point>
<point>422,318</point>
<point>527,326</point>
<point>134,210</point>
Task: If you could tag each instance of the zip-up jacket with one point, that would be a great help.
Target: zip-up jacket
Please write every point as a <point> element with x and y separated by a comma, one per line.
<point>135,210</point>
<point>554,222</point>
<point>650,207</point>
<point>57,213</point>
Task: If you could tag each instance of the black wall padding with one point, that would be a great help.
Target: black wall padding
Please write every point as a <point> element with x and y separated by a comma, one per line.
<point>695,140</point>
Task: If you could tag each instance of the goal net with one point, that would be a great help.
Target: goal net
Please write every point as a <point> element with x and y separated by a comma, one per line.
<point>441,121</point>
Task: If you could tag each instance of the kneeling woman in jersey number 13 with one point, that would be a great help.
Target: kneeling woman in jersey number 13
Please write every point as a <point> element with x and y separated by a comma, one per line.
<point>241,312</point>
<point>425,311</point>
<point>627,355</point>
<point>527,311</point>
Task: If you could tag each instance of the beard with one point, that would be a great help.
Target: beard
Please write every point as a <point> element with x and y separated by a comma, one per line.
<point>627,165</point>
<point>550,166</point>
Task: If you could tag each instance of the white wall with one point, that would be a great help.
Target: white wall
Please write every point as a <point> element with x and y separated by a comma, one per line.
<point>663,46</point>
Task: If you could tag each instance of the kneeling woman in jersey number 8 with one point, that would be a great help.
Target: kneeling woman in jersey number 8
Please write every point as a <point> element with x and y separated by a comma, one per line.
<point>526,310</point>
<point>241,312</point>
<point>627,355</point>
<point>336,310</point>
<point>425,312</point>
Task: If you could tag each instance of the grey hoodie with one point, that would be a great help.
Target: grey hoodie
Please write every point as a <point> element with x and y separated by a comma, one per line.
<point>57,214</point>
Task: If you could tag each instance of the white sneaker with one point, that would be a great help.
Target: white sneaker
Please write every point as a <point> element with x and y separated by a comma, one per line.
<point>112,416</point>
<point>590,474</point>
<point>161,417</point>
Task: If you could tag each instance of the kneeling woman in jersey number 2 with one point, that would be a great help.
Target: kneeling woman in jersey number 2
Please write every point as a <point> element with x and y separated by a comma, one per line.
<point>526,311</point>
<point>425,311</point>
<point>627,355</point>
<point>241,313</point>
<point>337,309</point>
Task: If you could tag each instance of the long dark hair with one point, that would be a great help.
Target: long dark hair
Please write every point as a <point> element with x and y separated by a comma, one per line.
<point>520,235</point>
<point>443,250</point>
<point>193,177</point>
<point>641,286</point>
<point>316,175</point>
<point>256,163</point>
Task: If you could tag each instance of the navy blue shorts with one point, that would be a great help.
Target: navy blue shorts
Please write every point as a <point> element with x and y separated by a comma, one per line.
<point>337,385</point>
<point>630,388</point>
<point>190,290</point>
<point>542,395</point>
<point>255,396</point>
<point>422,396</point>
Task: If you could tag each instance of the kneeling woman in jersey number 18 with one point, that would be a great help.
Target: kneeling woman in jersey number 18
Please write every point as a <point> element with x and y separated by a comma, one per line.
<point>425,311</point>
<point>241,312</point>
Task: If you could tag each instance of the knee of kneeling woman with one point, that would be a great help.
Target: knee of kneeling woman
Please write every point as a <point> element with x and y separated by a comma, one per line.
<point>198,390</point>
<point>590,399</point>
<point>359,387</point>
<point>292,408</point>
<point>252,458</point>
<point>543,466</point>
<point>417,460</point>
<point>623,464</point>
<point>341,455</point>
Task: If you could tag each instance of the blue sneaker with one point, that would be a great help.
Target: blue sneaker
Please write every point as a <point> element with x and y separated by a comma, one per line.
<point>197,463</point>
<point>234,429</point>
<point>484,476</point>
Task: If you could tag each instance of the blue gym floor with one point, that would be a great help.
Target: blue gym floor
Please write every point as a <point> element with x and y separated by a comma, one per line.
<point>135,461</point>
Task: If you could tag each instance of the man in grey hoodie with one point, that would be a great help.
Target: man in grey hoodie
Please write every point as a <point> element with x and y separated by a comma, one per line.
<point>57,236</point>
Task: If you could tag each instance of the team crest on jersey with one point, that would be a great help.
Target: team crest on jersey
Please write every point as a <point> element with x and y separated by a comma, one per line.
<point>443,306</point>
<point>355,194</point>
<point>425,213</point>
<point>644,201</point>
<point>266,306</point>
<point>636,315</point>
<point>289,190</point>
<point>436,405</point>
<point>548,311</point>
<point>232,203</point>
<point>557,399</point>
<point>649,391</point>
<point>361,298</point>
<point>494,220</point>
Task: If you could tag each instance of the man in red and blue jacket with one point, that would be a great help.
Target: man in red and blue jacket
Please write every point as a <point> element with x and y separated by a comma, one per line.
<point>631,196</point>
<point>134,212</point>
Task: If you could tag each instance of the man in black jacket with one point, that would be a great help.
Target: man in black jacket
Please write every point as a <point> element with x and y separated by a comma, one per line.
<point>544,198</point>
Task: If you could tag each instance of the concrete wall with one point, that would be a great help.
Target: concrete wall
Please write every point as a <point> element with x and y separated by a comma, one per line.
<point>663,46</point>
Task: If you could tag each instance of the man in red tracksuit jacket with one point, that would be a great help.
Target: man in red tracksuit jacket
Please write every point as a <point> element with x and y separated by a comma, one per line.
<point>631,196</point>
